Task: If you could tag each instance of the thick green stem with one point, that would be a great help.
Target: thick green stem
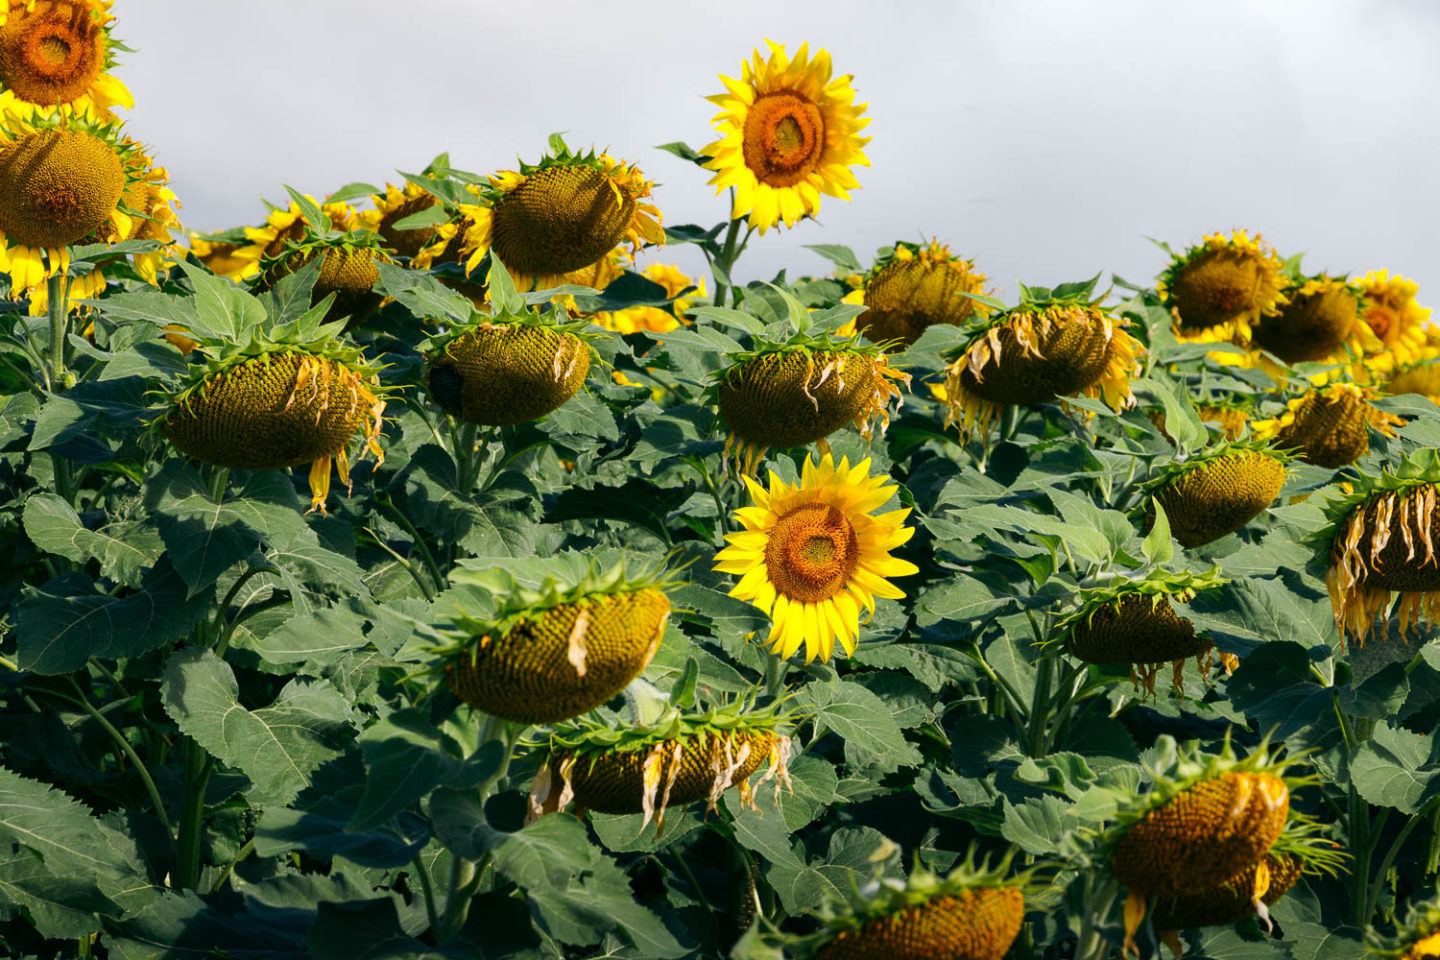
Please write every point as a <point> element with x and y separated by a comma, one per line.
<point>465,875</point>
<point>466,458</point>
<point>774,676</point>
<point>1040,708</point>
<point>1092,945</point>
<point>428,889</point>
<point>725,261</point>
<point>59,320</point>
<point>198,764</point>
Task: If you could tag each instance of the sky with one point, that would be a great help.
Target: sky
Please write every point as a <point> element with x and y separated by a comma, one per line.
<point>1045,139</point>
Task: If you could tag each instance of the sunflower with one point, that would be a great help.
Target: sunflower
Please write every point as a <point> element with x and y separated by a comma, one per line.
<point>1218,490</point>
<point>914,288</point>
<point>633,319</point>
<point>1321,317</point>
<point>812,555</point>
<point>1049,346</point>
<point>1222,287</point>
<point>58,186</point>
<point>1381,540</point>
<point>1398,325</point>
<point>1421,378</point>
<point>1204,821</point>
<point>289,225</point>
<point>1418,938</point>
<point>422,246</point>
<point>1329,426</point>
<point>788,134</point>
<point>559,215</point>
<point>56,53</point>
<point>1134,623</point>
<point>219,252</point>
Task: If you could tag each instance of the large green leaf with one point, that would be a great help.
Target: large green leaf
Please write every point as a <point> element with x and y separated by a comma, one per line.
<point>123,548</point>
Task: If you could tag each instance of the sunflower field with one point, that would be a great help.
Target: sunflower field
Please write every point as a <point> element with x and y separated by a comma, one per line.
<point>616,612</point>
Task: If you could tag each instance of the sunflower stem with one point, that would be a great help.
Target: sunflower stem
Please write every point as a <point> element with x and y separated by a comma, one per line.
<point>59,320</point>
<point>1372,900</point>
<point>725,260</point>
<point>126,747</point>
<point>198,765</point>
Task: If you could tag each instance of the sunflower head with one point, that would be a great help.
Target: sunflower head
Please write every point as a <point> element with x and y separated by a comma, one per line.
<point>393,209</point>
<point>788,133</point>
<point>915,287</point>
<point>1394,323</point>
<point>1204,820</point>
<point>1134,622</point>
<point>1298,851</point>
<point>1219,490</point>
<point>271,392</point>
<point>1422,378</point>
<point>305,216</point>
<point>812,554</point>
<point>798,393</point>
<point>679,759</point>
<point>1329,426</point>
<point>561,214</point>
<point>56,54</point>
<point>511,366</point>
<point>1380,539</point>
<point>550,654</point>
<point>972,913</point>
<point>1321,316</point>
<point>1227,283</point>
<point>1055,343</point>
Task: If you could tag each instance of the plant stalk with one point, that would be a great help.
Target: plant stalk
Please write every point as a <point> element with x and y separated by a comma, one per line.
<point>726,260</point>
<point>59,321</point>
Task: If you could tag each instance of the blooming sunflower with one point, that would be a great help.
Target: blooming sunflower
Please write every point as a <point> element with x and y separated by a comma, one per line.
<point>420,245</point>
<point>913,288</point>
<point>56,54</point>
<point>1053,344</point>
<point>1381,540</point>
<point>219,252</point>
<point>1217,290</point>
<point>59,185</point>
<point>561,214</point>
<point>1397,323</point>
<point>788,134</point>
<point>812,555</point>
<point>633,319</point>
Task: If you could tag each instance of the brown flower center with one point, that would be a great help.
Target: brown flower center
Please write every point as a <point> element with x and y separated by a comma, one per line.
<point>784,136</point>
<point>53,57</point>
<point>812,553</point>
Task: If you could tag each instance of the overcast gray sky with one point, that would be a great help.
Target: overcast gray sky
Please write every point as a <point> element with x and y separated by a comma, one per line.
<point>1045,138</point>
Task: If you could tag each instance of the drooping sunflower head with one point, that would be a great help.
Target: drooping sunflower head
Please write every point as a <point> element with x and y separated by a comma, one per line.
<point>59,185</point>
<point>1381,539</point>
<point>511,366</point>
<point>973,912</point>
<point>788,133</point>
<point>798,393</point>
<point>547,653</point>
<point>915,287</point>
<point>1396,323</point>
<point>57,54</point>
<point>1328,426</point>
<point>1321,317</point>
<point>1422,378</point>
<point>396,209</point>
<point>1218,490</point>
<point>1226,282</point>
<point>812,554</point>
<point>561,214</point>
<point>1418,938</point>
<point>276,393</point>
<point>1298,852</point>
<point>1203,820</point>
<point>1133,622</point>
<point>679,759</point>
<point>1055,343</point>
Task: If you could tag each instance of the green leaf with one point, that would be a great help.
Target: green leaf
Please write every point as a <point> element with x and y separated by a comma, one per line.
<point>682,150</point>
<point>1393,768</point>
<point>60,830</point>
<point>405,758</point>
<point>546,853</point>
<point>205,537</point>
<point>319,637</point>
<point>277,747</point>
<point>862,719</point>
<point>728,317</point>
<point>1158,546</point>
<point>122,549</point>
<point>59,906</point>
<point>364,930</point>
<point>502,288</point>
<point>1182,423</point>
<point>63,623</point>
<point>222,310</point>
<point>424,296</point>
<point>842,256</point>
